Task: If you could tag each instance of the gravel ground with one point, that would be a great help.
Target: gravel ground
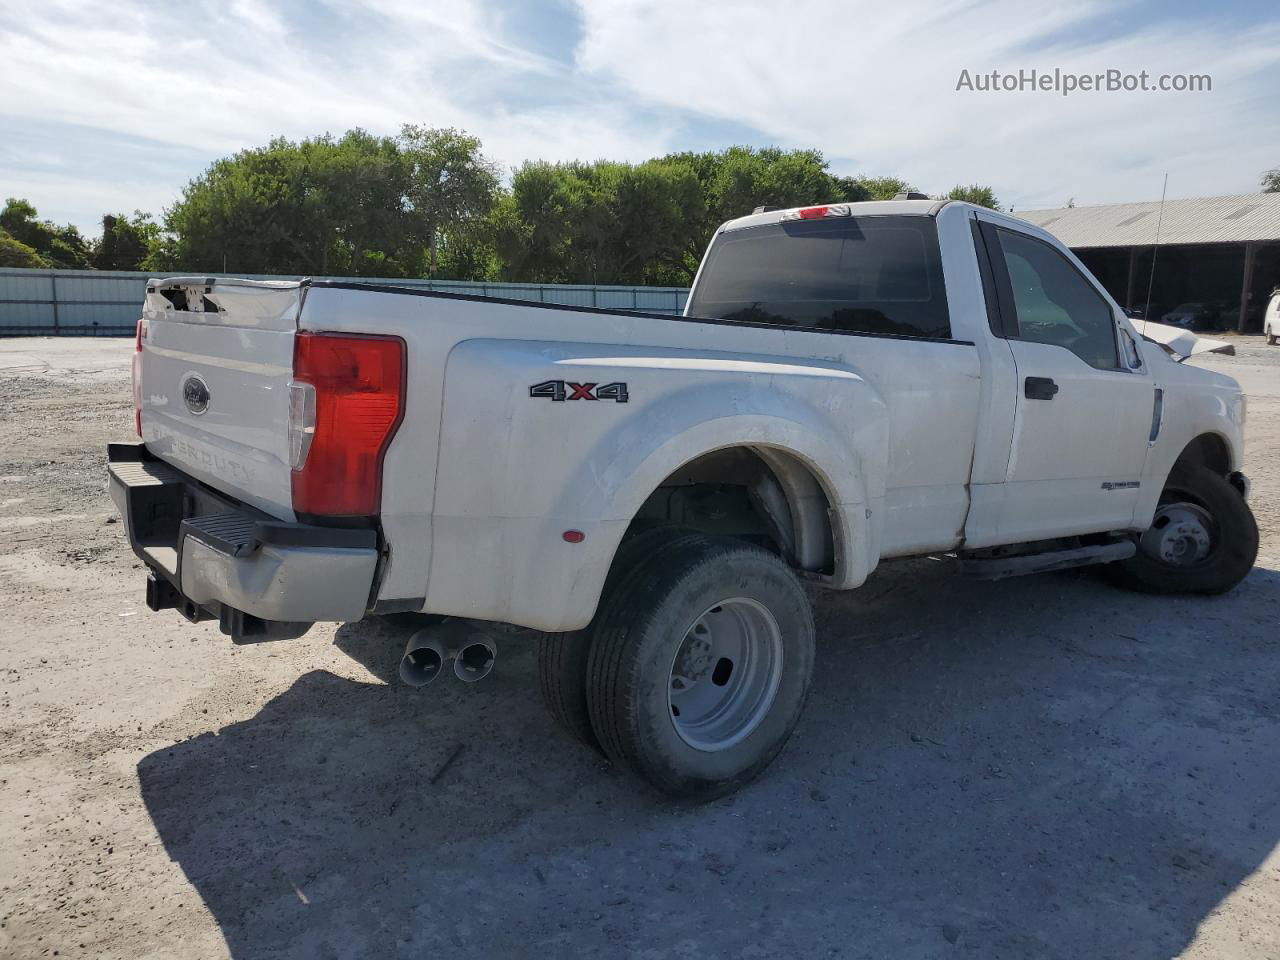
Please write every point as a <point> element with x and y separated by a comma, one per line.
<point>1043,767</point>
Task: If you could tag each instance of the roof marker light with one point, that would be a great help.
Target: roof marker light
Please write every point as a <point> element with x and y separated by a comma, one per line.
<point>818,213</point>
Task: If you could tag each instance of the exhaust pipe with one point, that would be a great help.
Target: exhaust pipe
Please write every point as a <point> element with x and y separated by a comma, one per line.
<point>423,659</point>
<point>471,651</point>
<point>475,660</point>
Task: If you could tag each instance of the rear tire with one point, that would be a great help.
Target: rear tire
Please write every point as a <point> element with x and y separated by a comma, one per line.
<point>1271,339</point>
<point>1204,538</point>
<point>721,627</point>
<point>562,657</point>
<point>562,678</point>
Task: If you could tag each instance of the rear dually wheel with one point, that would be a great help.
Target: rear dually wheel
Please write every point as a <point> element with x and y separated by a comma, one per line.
<point>700,665</point>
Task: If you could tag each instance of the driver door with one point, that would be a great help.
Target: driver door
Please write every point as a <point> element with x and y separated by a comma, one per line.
<point>1082,414</point>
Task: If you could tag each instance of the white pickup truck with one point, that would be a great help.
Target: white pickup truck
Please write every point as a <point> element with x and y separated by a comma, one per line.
<point>850,383</point>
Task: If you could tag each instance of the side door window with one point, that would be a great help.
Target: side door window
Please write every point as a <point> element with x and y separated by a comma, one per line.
<point>1052,302</point>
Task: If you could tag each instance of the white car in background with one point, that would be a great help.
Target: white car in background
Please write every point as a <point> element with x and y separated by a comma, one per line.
<point>1271,322</point>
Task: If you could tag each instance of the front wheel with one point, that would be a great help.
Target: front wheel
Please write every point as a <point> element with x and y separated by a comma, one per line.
<point>700,665</point>
<point>1271,338</point>
<point>1203,538</point>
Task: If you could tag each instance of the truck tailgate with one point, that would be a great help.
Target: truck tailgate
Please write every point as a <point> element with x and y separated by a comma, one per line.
<point>217,358</point>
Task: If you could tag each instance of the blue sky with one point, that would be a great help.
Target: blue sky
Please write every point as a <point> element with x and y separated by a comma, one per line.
<point>115,112</point>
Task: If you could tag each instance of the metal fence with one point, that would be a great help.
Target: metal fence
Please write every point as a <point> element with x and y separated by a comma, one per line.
<point>108,303</point>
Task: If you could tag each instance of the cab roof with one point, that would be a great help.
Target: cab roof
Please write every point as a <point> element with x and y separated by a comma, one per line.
<point>866,208</point>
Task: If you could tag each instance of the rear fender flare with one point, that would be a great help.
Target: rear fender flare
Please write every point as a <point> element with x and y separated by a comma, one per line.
<point>849,461</point>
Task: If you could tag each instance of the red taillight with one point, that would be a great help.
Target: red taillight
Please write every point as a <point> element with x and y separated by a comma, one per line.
<point>137,376</point>
<point>346,420</point>
<point>813,213</point>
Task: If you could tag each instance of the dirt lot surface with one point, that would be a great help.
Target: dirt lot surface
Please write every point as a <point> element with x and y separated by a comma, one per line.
<point>1044,767</point>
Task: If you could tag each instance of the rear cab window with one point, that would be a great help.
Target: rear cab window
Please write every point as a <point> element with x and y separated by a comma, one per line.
<point>877,275</point>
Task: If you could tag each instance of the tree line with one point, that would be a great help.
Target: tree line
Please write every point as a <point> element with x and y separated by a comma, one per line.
<point>429,203</point>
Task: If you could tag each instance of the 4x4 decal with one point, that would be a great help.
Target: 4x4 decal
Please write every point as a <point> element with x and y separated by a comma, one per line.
<point>560,390</point>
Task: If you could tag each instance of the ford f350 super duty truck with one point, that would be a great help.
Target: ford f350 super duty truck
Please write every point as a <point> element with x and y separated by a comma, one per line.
<point>850,383</point>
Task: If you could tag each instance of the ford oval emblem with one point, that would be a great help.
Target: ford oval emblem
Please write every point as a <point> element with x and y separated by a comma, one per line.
<point>195,392</point>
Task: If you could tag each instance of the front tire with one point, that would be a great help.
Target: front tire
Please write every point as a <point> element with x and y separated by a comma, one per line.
<point>1203,538</point>
<point>700,666</point>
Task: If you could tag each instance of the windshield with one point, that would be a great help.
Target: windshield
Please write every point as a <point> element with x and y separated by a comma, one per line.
<point>879,275</point>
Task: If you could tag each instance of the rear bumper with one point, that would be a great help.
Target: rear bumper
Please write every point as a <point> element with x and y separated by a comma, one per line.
<point>213,557</point>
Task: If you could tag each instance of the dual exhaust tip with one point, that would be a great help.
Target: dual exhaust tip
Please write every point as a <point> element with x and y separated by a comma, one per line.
<point>428,650</point>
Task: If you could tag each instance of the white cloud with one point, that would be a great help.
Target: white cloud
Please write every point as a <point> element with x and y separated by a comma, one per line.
<point>870,83</point>
<point>68,195</point>
<point>873,83</point>
<point>216,78</point>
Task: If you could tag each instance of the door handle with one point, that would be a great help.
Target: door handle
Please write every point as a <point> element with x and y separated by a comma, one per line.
<point>1040,388</point>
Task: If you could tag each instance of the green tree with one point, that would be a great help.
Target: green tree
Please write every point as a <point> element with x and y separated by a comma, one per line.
<point>873,188</point>
<point>15,253</point>
<point>18,219</point>
<point>975,193</point>
<point>251,213</point>
<point>657,203</point>
<point>853,189</point>
<point>602,222</point>
<point>126,242</point>
<point>469,253</point>
<point>360,182</point>
<point>1271,181</point>
<point>60,246</point>
<point>451,187</point>
<point>745,178</point>
<point>531,224</point>
<point>320,206</point>
<point>608,222</point>
<point>718,186</point>
<point>429,202</point>
<point>359,204</point>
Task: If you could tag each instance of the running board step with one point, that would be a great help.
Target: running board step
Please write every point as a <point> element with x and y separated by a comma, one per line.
<point>1017,565</point>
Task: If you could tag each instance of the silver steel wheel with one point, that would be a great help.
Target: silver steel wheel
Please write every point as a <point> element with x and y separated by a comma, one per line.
<point>1181,534</point>
<point>725,674</point>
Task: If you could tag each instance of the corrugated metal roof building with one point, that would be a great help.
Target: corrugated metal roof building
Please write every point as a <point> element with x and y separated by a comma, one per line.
<point>1219,254</point>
